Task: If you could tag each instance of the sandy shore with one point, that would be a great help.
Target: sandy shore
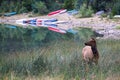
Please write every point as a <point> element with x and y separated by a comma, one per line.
<point>103,26</point>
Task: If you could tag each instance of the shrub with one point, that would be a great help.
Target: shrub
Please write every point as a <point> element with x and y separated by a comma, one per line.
<point>85,12</point>
<point>54,6</point>
<point>69,4</point>
<point>116,8</point>
<point>39,7</point>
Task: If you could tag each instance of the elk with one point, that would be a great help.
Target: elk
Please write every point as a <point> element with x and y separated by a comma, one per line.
<point>89,52</point>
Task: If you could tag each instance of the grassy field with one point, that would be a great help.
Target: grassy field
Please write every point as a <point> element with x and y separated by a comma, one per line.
<point>39,54</point>
<point>61,61</point>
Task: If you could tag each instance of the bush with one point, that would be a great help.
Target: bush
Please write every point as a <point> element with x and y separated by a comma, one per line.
<point>116,9</point>
<point>69,4</point>
<point>54,6</point>
<point>39,7</point>
<point>85,12</point>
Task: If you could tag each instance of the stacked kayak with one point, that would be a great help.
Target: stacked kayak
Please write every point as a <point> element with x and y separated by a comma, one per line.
<point>36,22</point>
<point>51,24</point>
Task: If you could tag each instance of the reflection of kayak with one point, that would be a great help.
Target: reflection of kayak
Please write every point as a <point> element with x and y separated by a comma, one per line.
<point>56,22</point>
<point>57,12</point>
<point>46,25</point>
<point>57,30</point>
<point>10,14</point>
<point>72,31</point>
<point>46,20</point>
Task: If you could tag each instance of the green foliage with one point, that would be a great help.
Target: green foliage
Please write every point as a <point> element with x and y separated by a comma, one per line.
<point>39,65</point>
<point>39,7</point>
<point>117,27</point>
<point>104,15</point>
<point>54,6</point>
<point>69,4</point>
<point>116,8</point>
<point>85,12</point>
<point>78,3</point>
<point>44,6</point>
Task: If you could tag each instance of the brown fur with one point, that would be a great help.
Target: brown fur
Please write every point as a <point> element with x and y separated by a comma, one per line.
<point>90,52</point>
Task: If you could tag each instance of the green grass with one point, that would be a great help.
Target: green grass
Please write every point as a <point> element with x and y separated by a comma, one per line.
<point>61,61</point>
<point>117,27</point>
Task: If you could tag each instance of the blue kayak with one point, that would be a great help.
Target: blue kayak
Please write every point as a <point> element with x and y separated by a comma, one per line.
<point>10,14</point>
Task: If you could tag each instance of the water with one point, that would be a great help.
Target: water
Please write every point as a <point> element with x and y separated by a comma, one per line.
<point>13,38</point>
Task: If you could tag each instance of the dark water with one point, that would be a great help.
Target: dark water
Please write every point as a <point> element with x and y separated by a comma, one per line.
<point>14,38</point>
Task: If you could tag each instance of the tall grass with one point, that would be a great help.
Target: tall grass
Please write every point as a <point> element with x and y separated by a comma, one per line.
<point>62,61</point>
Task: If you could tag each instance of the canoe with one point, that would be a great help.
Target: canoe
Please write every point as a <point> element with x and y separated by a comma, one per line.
<point>55,29</point>
<point>10,14</point>
<point>57,12</point>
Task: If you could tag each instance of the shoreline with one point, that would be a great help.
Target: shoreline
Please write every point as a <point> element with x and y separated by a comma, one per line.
<point>103,26</point>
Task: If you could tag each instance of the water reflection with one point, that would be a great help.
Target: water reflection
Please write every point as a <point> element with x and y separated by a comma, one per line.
<point>17,38</point>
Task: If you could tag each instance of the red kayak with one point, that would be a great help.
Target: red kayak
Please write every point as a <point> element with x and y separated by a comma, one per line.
<point>57,12</point>
<point>57,30</point>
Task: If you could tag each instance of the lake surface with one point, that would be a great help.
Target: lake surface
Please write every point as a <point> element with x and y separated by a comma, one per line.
<point>14,38</point>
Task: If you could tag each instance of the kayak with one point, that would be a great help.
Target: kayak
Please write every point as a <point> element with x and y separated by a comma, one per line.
<point>57,12</point>
<point>55,29</point>
<point>10,14</point>
<point>35,21</point>
<point>72,12</point>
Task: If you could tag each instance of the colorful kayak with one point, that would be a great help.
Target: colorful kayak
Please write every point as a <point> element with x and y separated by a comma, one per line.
<point>57,30</point>
<point>57,12</point>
